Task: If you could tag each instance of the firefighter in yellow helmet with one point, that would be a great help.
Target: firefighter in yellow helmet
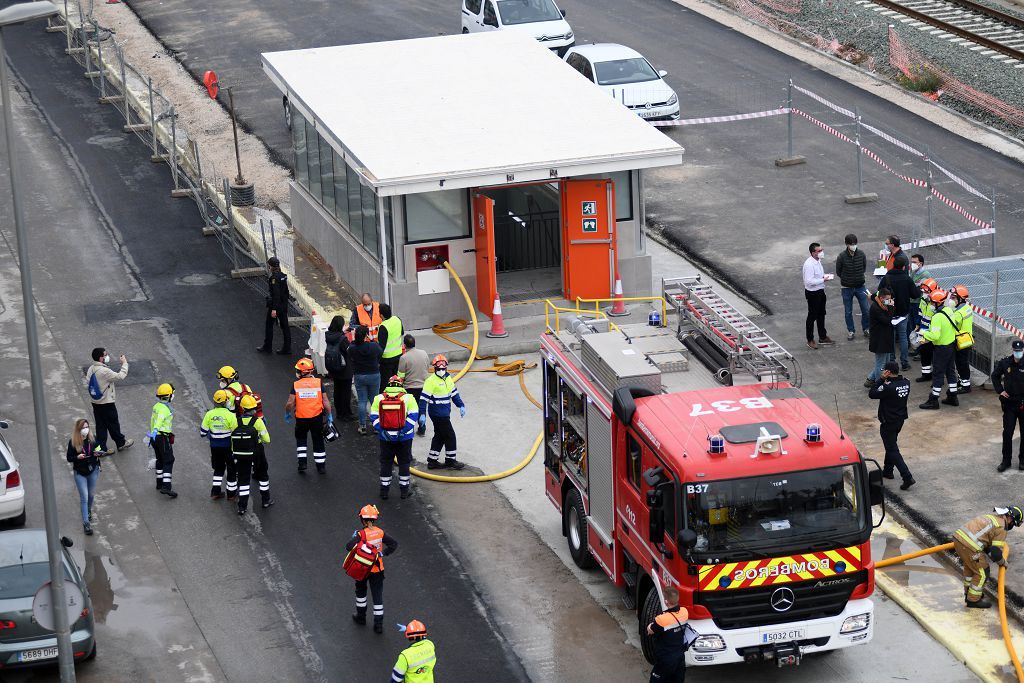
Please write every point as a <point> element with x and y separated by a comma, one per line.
<point>161,438</point>
<point>415,663</point>
<point>984,536</point>
<point>247,450</point>
<point>217,426</point>
<point>309,406</point>
<point>377,544</point>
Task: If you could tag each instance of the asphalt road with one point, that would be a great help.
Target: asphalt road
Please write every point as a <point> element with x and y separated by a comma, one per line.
<point>135,274</point>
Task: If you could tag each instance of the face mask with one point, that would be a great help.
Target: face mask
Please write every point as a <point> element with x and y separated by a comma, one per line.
<point>889,302</point>
<point>106,358</point>
<point>1018,354</point>
<point>440,373</point>
<point>223,385</point>
<point>85,431</point>
<point>368,307</point>
<point>852,248</point>
<point>915,266</point>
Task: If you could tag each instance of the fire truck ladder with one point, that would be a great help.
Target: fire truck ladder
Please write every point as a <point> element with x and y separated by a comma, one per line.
<point>746,346</point>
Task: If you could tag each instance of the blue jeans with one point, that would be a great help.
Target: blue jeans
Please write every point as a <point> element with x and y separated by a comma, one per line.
<point>880,360</point>
<point>86,488</point>
<point>862,299</point>
<point>367,386</point>
<point>901,339</point>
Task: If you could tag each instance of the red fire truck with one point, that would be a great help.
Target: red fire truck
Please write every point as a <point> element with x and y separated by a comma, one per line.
<point>718,476</point>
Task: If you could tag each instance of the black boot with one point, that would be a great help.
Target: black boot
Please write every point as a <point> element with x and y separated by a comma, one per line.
<point>378,626</point>
<point>215,493</point>
<point>924,378</point>
<point>454,464</point>
<point>267,500</point>
<point>321,468</point>
<point>405,491</point>
<point>907,483</point>
<point>384,492</point>
<point>979,604</point>
<point>1003,466</point>
<point>302,464</point>
<point>434,464</point>
<point>931,404</point>
<point>951,400</point>
<point>965,388</point>
<point>359,618</point>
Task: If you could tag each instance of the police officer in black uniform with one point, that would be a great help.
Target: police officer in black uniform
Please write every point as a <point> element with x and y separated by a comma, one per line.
<point>1008,381</point>
<point>277,308</point>
<point>892,391</point>
<point>669,631</point>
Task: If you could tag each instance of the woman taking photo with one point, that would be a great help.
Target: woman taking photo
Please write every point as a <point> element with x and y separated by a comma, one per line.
<point>84,456</point>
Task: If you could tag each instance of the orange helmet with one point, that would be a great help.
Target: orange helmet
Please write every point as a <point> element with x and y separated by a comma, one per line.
<point>415,629</point>
<point>938,297</point>
<point>929,285</point>
<point>369,512</point>
<point>396,381</point>
<point>305,365</point>
<point>961,291</point>
<point>439,359</point>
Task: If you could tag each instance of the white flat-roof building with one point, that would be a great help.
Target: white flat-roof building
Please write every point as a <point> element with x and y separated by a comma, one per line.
<point>485,150</point>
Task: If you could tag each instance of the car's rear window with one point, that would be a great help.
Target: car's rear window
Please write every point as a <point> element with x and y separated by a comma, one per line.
<point>23,580</point>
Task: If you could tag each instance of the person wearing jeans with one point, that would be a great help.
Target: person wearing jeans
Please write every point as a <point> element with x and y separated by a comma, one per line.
<point>882,334</point>
<point>84,456</point>
<point>364,355</point>
<point>850,267</point>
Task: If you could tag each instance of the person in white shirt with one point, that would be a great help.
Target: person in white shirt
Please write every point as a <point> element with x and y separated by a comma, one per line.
<point>815,278</point>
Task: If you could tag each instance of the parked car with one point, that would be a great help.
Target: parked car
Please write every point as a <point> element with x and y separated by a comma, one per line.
<point>627,76</point>
<point>24,568</point>
<point>539,18</point>
<point>12,491</point>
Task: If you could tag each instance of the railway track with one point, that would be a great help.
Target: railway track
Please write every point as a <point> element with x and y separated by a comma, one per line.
<point>993,33</point>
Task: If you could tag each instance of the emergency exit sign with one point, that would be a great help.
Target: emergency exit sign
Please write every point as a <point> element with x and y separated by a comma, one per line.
<point>589,225</point>
<point>590,208</point>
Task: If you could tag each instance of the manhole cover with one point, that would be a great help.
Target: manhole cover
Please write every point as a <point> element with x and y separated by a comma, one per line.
<point>198,279</point>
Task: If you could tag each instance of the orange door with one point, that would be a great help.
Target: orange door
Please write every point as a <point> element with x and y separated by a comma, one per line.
<point>483,235</point>
<point>588,238</point>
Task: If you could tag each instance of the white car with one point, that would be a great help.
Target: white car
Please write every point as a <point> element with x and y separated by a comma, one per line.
<point>539,18</point>
<point>12,491</point>
<point>624,74</point>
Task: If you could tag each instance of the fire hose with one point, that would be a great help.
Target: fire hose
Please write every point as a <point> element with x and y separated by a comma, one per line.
<point>1010,649</point>
<point>508,369</point>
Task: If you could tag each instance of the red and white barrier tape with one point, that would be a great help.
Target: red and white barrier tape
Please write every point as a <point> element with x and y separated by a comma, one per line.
<point>822,125</point>
<point>961,210</point>
<point>878,160</point>
<point>960,181</point>
<point>721,119</point>
<point>999,319</point>
<point>831,105</point>
<point>891,140</point>
<point>943,239</point>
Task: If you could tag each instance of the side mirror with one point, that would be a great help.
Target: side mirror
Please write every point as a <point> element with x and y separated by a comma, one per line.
<point>652,475</point>
<point>687,538</point>
<point>66,542</point>
<point>876,487</point>
<point>4,424</point>
<point>662,73</point>
<point>563,13</point>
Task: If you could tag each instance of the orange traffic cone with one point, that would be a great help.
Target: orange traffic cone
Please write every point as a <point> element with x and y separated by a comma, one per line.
<point>497,324</point>
<point>618,308</point>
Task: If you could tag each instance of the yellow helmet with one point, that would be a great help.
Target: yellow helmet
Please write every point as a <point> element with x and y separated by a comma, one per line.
<point>227,373</point>
<point>248,402</point>
<point>164,390</point>
<point>220,396</point>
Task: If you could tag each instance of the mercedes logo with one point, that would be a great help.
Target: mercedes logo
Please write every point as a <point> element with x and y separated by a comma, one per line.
<point>782,599</point>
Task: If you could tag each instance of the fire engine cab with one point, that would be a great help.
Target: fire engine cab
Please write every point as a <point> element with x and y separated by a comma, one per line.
<point>718,476</point>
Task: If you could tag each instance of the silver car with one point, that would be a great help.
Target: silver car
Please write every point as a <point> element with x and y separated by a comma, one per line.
<point>24,568</point>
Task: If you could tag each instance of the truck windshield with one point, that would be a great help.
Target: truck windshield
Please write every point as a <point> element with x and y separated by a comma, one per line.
<point>527,11</point>
<point>775,511</point>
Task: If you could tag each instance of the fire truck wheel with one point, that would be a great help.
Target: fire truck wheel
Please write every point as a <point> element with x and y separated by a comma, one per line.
<point>576,530</point>
<point>651,608</point>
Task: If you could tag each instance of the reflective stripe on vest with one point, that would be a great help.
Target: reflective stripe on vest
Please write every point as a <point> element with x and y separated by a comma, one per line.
<point>420,660</point>
<point>394,327</point>
<point>370,320</point>
<point>374,537</point>
<point>308,397</point>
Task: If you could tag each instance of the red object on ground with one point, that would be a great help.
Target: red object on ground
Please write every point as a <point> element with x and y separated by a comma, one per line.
<point>211,84</point>
<point>619,305</point>
<point>497,324</point>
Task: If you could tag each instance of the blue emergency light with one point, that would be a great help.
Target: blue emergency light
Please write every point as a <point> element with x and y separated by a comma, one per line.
<point>716,444</point>
<point>813,433</point>
<point>654,319</point>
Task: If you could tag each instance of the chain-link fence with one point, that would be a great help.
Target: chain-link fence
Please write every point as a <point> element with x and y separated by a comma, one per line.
<point>246,239</point>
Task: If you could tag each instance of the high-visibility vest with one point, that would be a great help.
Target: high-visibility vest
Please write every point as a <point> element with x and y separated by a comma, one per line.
<point>963,318</point>
<point>218,425</point>
<point>373,536</point>
<point>394,327</point>
<point>416,663</point>
<point>161,418</point>
<point>925,313</point>
<point>370,320</point>
<point>309,401</point>
<point>941,332</point>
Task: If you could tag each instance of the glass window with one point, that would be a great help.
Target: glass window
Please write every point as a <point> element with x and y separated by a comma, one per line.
<point>490,18</point>
<point>473,6</point>
<point>327,174</point>
<point>355,207</point>
<point>587,70</point>
<point>299,148</point>
<point>633,461</point>
<point>621,71</point>
<point>623,195</point>
<point>527,11</point>
<point>432,216</point>
<point>389,231</point>
<point>340,187</point>
<point>313,160</point>
<point>371,231</point>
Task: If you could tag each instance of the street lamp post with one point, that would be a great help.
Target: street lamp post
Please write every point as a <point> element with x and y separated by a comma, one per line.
<point>17,14</point>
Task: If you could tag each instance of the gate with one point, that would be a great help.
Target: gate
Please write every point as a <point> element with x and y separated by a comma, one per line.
<point>523,243</point>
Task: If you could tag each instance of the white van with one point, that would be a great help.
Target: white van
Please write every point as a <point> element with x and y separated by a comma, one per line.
<point>540,18</point>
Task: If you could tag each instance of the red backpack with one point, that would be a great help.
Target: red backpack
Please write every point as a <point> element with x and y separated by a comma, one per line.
<point>246,391</point>
<point>360,561</point>
<point>392,412</point>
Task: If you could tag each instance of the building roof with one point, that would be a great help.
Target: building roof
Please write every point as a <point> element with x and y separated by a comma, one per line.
<point>463,111</point>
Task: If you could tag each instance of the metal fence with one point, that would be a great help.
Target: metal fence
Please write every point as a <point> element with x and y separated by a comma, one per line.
<point>151,116</point>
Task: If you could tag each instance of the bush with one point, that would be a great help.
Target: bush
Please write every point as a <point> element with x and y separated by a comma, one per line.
<point>920,79</point>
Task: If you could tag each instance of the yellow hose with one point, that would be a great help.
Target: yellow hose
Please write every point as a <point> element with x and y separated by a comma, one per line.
<point>899,559</point>
<point>517,367</point>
